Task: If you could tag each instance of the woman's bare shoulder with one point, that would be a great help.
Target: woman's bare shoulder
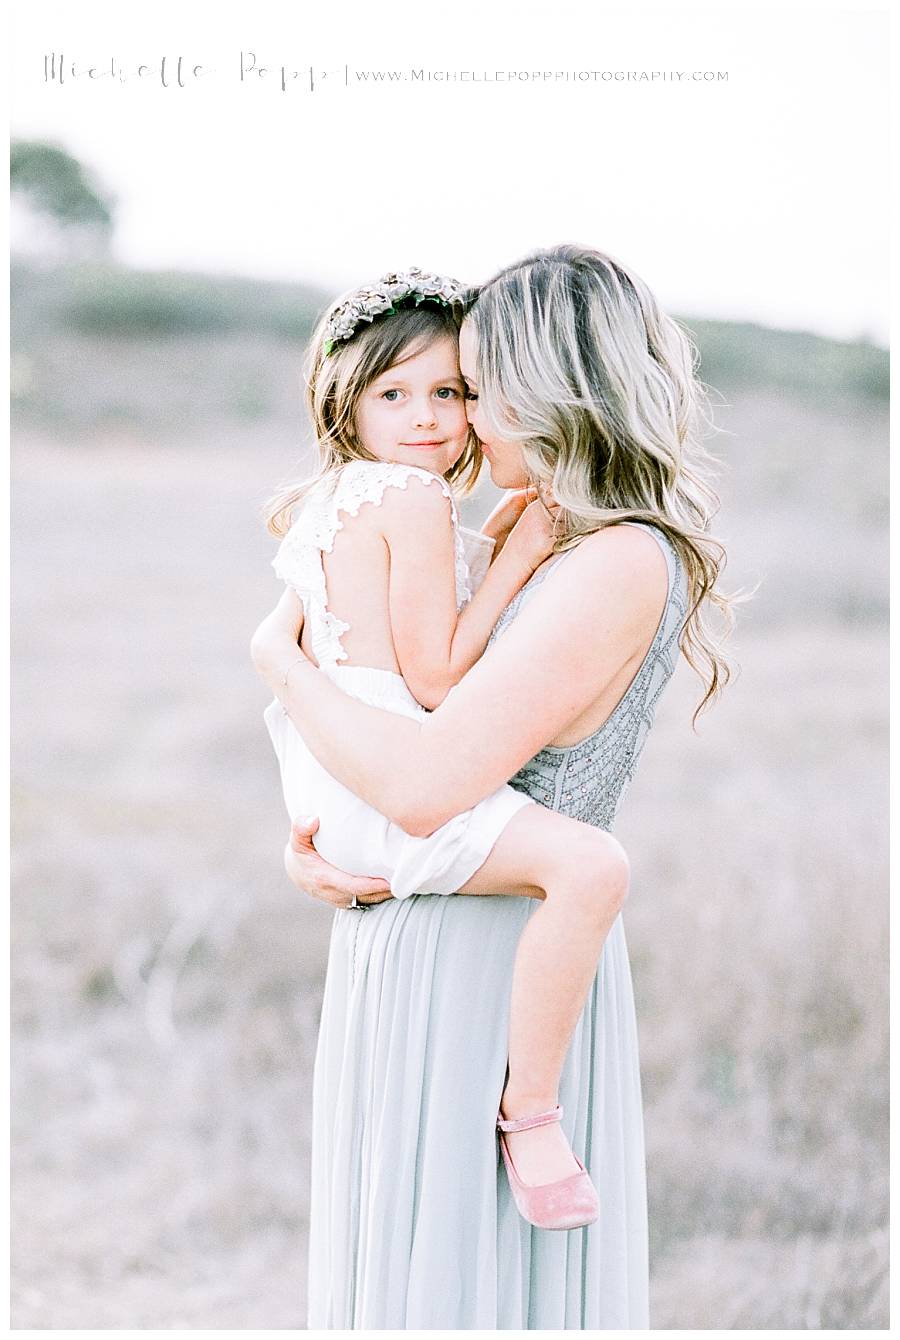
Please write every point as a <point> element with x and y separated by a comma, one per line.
<point>599,606</point>
<point>617,559</point>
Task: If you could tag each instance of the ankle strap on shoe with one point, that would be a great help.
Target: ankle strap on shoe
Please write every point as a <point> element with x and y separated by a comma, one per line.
<point>526,1123</point>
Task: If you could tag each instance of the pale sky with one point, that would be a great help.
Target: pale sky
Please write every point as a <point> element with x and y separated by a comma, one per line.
<point>761,197</point>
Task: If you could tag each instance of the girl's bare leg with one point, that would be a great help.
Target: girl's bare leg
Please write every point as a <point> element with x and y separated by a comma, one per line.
<point>580,875</point>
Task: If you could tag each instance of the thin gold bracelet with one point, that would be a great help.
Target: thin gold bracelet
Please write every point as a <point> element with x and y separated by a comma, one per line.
<point>284,679</point>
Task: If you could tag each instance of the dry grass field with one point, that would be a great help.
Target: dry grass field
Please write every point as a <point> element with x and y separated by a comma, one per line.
<point>167,979</point>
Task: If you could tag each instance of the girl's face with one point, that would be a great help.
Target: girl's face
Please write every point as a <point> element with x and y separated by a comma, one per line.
<point>415,412</point>
<point>505,459</point>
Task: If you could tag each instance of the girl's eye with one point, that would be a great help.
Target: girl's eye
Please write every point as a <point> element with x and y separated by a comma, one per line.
<point>445,392</point>
<point>389,395</point>
<point>471,395</point>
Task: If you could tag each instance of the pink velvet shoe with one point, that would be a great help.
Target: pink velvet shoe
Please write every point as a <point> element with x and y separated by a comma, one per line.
<point>572,1202</point>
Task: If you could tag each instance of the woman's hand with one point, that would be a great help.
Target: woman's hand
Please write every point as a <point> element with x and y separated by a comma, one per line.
<point>505,515</point>
<point>311,874</point>
<point>278,634</point>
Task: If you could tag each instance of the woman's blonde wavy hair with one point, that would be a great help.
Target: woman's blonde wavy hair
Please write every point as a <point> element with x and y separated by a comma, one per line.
<point>577,362</point>
<point>336,381</point>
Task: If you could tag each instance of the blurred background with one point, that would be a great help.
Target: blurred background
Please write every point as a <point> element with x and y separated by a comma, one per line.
<point>167,980</point>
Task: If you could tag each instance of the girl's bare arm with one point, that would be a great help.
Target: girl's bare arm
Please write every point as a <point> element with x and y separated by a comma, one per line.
<point>586,625</point>
<point>435,646</point>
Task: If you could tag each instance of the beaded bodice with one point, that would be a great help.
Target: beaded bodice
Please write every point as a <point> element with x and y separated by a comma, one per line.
<point>588,780</point>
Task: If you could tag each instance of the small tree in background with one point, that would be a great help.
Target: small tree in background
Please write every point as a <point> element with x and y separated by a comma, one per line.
<point>56,211</point>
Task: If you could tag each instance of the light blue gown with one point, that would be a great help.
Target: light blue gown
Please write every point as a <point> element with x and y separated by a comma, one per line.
<point>412,1224</point>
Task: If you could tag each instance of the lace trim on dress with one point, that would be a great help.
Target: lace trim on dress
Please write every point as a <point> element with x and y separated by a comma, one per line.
<point>298,561</point>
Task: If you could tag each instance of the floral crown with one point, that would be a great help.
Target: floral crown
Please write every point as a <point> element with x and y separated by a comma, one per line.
<point>386,297</point>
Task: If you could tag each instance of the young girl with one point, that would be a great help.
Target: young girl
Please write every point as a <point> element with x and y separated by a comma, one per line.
<point>374,549</point>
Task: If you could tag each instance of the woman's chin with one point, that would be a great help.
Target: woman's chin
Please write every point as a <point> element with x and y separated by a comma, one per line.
<point>506,478</point>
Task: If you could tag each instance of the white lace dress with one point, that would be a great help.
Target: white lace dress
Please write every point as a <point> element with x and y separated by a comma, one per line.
<point>352,835</point>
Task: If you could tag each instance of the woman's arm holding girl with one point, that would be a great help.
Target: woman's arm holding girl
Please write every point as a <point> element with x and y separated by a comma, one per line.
<point>580,632</point>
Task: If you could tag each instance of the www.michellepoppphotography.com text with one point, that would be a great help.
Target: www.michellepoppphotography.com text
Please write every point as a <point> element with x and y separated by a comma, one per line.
<point>248,69</point>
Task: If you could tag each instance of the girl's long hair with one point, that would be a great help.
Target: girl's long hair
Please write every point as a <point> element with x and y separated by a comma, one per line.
<point>336,381</point>
<point>577,362</point>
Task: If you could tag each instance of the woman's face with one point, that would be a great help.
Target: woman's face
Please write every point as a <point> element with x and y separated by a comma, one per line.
<point>505,459</point>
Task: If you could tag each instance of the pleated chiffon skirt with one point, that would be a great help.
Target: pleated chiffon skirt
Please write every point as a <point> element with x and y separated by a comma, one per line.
<point>412,1224</point>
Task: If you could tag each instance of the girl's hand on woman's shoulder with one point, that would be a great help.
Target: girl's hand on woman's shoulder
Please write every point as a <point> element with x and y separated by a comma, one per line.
<point>531,538</point>
<point>505,515</point>
<point>307,870</point>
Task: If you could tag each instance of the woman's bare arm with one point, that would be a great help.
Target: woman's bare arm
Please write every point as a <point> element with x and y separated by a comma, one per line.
<point>586,624</point>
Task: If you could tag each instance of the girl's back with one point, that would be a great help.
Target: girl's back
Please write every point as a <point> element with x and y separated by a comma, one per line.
<point>337,556</point>
<point>357,572</point>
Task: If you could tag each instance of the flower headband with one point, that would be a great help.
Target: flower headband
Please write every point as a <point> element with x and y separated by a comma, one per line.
<point>385,298</point>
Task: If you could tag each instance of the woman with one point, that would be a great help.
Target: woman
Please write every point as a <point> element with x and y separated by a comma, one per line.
<point>579,385</point>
